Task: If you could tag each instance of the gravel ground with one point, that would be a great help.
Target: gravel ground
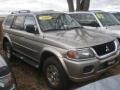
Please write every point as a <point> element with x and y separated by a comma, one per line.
<point>27,77</point>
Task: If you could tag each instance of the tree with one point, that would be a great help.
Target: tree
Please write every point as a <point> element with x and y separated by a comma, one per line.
<point>80,5</point>
<point>70,5</point>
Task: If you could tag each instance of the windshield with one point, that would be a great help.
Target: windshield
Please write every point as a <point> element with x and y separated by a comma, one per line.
<point>85,19</point>
<point>117,15</point>
<point>107,19</point>
<point>56,21</point>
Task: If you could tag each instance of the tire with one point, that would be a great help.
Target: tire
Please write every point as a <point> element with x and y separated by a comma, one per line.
<point>52,70</point>
<point>7,50</point>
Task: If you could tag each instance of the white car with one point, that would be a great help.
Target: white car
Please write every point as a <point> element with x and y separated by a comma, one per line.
<point>99,21</point>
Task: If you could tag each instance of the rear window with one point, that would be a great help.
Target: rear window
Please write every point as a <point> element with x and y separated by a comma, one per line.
<point>9,20</point>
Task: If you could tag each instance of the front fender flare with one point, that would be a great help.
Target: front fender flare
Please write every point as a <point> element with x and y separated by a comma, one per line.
<point>58,55</point>
<point>6,36</point>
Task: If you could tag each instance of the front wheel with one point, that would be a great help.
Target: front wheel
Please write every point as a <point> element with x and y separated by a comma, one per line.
<point>54,74</point>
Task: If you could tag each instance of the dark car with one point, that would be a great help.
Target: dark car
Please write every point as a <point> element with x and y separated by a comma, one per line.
<point>111,83</point>
<point>6,77</point>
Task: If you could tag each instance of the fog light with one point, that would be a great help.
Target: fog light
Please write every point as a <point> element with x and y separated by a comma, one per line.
<point>88,69</point>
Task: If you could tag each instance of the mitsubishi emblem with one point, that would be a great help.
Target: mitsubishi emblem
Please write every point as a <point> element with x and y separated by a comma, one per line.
<point>107,48</point>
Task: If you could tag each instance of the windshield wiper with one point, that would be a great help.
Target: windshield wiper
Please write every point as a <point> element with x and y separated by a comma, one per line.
<point>58,29</point>
<point>76,27</point>
<point>52,30</point>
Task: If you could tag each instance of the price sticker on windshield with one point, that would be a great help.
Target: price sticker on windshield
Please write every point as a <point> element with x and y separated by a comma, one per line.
<point>45,18</point>
<point>100,16</point>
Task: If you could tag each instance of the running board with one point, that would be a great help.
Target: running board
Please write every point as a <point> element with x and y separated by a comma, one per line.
<point>27,60</point>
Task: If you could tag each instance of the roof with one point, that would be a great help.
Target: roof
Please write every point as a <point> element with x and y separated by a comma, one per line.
<point>91,11</point>
<point>35,12</point>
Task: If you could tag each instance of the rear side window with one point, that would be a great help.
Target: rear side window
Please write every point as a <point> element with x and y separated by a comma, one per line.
<point>18,22</point>
<point>9,20</point>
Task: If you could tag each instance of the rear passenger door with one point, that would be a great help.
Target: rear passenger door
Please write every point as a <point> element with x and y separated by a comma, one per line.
<point>17,31</point>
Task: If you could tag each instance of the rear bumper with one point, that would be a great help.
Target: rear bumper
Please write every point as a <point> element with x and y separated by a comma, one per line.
<point>89,69</point>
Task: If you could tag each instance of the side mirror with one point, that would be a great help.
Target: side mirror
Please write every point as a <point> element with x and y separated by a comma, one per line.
<point>94,24</point>
<point>30,28</point>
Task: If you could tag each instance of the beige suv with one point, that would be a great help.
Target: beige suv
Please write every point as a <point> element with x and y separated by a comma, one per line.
<point>57,44</point>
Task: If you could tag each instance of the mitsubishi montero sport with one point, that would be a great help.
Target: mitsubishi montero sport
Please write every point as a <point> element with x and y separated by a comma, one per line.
<point>57,44</point>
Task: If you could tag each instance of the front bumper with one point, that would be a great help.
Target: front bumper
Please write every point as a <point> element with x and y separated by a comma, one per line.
<point>89,69</point>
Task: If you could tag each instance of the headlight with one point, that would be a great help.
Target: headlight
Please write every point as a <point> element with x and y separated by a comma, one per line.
<point>80,54</point>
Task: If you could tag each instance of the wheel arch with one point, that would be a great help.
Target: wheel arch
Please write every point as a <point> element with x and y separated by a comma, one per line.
<point>6,38</point>
<point>47,52</point>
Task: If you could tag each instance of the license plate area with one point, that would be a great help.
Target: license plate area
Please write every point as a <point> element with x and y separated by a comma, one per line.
<point>107,64</point>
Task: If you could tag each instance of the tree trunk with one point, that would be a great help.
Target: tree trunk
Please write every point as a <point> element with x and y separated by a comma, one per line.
<point>78,3</point>
<point>70,5</point>
<point>86,5</point>
<point>82,5</point>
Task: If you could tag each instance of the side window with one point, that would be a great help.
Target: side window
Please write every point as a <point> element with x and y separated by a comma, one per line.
<point>9,20</point>
<point>29,20</point>
<point>18,22</point>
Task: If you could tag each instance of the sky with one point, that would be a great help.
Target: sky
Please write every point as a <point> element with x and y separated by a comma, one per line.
<point>7,6</point>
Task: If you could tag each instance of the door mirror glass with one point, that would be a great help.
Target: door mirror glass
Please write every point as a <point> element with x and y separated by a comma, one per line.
<point>94,24</point>
<point>30,28</point>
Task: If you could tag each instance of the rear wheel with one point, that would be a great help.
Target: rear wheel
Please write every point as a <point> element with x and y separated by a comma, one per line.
<point>8,50</point>
<point>54,74</point>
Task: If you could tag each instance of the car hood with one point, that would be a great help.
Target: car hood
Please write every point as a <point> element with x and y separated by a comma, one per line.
<point>78,38</point>
<point>114,30</point>
<point>115,27</point>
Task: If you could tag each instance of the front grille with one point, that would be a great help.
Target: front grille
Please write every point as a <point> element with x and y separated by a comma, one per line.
<point>104,49</point>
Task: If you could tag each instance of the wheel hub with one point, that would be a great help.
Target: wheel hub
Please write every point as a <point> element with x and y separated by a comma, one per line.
<point>53,75</point>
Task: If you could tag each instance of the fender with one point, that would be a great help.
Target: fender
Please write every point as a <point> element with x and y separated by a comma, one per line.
<point>57,54</point>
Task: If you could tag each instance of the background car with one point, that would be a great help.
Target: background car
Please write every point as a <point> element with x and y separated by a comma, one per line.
<point>7,81</point>
<point>100,21</point>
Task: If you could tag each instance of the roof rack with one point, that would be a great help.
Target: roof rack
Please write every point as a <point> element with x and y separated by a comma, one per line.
<point>95,10</point>
<point>47,10</point>
<point>21,11</point>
